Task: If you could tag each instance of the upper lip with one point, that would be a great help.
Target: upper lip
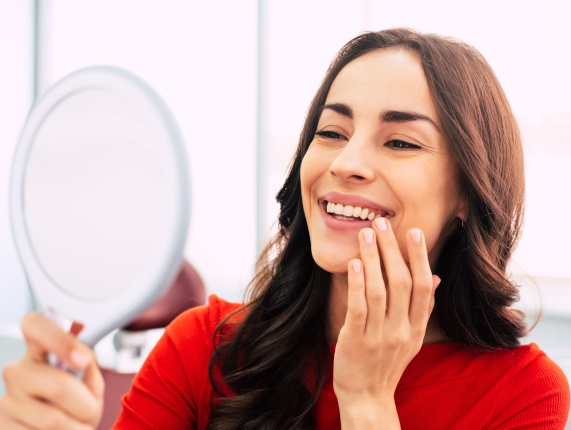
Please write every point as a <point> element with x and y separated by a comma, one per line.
<point>355,201</point>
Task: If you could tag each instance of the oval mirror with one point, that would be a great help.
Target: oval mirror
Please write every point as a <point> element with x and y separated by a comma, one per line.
<point>99,199</point>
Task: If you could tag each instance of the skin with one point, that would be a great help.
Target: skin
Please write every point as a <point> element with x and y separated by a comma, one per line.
<point>39,396</point>
<point>379,313</point>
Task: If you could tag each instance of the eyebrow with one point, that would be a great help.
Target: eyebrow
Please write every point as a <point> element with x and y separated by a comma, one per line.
<point>340,108</point>
<point>386,116</point>
<point>406,116</point>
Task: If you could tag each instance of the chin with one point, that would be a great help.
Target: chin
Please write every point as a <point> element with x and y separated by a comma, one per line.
<point>334,260</point>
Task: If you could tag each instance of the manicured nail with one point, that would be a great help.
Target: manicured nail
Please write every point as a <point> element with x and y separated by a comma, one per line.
<point>415,235</point>
<point>381,224</point>
<point>368,235</point>
<point>79,358</point>
<point>356,266</point>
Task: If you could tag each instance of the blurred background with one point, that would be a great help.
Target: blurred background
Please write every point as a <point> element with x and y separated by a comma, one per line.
<point>239,76</point>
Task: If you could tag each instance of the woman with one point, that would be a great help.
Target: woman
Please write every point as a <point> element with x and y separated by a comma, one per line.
<point>405,194</point>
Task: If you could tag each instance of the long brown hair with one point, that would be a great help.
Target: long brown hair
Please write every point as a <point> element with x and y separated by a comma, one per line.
<point>274,362</point>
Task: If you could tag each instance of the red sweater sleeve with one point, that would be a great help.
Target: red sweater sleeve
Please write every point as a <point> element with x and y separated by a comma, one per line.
<point>172,390</point>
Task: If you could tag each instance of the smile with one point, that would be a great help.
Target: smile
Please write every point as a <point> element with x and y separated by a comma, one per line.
<point>353,213</point>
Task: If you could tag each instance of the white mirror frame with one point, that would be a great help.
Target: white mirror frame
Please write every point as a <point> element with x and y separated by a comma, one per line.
<point>102,316</point>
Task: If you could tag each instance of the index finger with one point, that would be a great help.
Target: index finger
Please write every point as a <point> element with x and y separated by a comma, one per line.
<point>43,336</point>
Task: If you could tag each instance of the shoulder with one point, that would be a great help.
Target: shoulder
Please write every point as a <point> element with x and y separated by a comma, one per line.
<point>501,389</point>
<point>201,321</point>
<point>188,341</point>
<point>531,388</point>
<point>524,370</point>
<point>172,389</point>
<point>529,364</point>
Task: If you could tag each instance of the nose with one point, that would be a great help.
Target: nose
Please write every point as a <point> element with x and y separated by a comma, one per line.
<point>354,161</point>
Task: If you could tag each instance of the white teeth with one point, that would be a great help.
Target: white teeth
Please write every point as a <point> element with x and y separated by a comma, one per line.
<point>348,212</point>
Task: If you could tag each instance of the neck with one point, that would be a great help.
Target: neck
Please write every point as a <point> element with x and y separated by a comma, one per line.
<point>338,310</point>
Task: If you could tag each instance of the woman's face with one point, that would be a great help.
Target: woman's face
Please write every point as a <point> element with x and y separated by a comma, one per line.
<point>378,149</point>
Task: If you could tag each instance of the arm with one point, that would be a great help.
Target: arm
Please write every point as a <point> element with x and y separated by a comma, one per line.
<point>384,327</point>
<point>40,396</point>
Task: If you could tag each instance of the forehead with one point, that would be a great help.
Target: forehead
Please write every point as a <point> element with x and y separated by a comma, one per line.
<point>388,78</point>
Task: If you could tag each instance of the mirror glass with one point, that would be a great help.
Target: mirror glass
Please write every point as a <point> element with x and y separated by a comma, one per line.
<point>93,201</point>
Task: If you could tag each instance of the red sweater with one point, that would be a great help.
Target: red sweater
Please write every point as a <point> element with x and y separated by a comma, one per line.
<point>446,386</point>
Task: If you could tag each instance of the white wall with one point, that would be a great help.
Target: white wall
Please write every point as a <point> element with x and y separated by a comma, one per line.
<point>201,58</point>
<point>16,43</point>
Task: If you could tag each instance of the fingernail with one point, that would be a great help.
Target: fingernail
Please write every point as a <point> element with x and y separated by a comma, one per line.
<point>356,266</point>
<point>415,235</point>
<point>368,235</point>
<point>79,358</point>
<point>381,224</point>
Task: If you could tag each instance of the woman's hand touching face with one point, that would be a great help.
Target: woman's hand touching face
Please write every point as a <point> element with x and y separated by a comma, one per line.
<point>40,396</point>
<point>385,322</point>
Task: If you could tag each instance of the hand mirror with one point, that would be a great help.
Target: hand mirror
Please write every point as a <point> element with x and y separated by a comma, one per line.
<point>99,199</point>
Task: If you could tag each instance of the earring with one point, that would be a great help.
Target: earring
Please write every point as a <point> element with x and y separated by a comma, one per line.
<point>462,221</point>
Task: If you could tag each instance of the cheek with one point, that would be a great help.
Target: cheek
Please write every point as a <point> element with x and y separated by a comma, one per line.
<point>305,178</point>
<point>433,225</point>
<point>427,204</point>
<point>311,169</point>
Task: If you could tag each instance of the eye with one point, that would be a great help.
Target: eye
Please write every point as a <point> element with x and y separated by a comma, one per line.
<point>401,145</point>
<point>327,134</point>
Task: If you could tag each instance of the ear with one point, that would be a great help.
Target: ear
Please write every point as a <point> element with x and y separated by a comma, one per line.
<point>462,213</point>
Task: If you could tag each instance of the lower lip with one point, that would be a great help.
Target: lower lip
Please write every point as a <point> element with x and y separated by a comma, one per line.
<point>341,224</point>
